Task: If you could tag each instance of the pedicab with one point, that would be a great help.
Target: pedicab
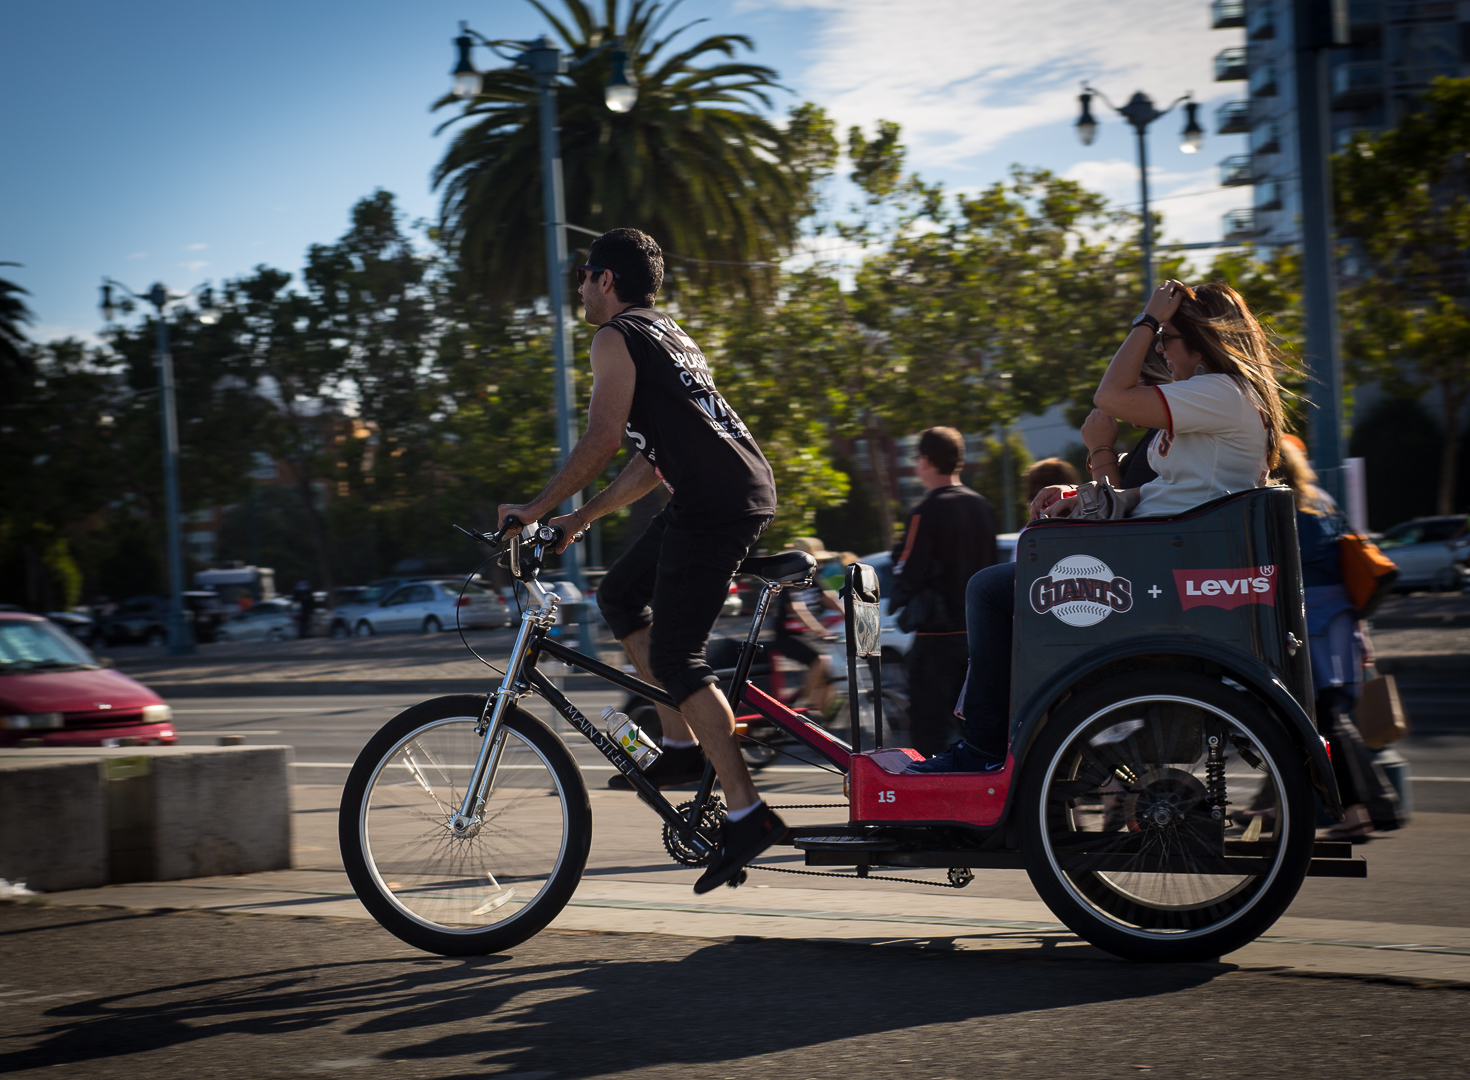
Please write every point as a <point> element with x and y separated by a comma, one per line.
<point>1161,788</point>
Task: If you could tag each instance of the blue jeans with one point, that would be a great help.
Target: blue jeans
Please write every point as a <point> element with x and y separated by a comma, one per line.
<point>990,614</point>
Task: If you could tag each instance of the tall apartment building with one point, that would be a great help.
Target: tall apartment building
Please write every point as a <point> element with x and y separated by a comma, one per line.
<point>1397,48</point>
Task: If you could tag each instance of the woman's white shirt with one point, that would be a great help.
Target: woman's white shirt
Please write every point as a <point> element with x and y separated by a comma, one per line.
<point>1215,444</point>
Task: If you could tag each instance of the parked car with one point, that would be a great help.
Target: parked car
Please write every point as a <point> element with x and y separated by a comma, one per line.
<point>1430,552</point>
<point>82,627</point>
<point>53,689</point>
<point>431,606</point>
<point>357,601</point>
<point>207,613</point>
<point>143,618</point>
<point>269,620</point>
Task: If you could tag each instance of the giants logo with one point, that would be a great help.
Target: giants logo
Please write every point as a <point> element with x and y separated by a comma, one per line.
<point>1081,591</point>
<point>1226,588</point>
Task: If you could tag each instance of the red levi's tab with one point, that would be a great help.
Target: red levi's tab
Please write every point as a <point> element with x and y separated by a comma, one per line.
<point>1226,588</point>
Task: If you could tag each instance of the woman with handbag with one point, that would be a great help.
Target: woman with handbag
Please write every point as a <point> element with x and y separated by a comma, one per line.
<point>1336,643</point>
<point>1219,428</point>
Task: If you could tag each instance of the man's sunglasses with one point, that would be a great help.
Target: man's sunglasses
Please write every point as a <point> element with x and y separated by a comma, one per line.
<point>586,268</point>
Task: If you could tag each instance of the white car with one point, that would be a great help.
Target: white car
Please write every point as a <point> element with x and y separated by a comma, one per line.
<point>268,620</point>
<point>429,607</point>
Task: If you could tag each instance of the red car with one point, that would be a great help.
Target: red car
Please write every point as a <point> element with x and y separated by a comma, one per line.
<point>52,689</point>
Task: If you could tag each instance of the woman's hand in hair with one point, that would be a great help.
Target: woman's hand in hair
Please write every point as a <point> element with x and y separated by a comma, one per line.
<point>1166,300</point>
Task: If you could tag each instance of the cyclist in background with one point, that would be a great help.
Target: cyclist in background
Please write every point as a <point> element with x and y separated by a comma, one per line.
<point>799,626</point>
<point>651,382</point>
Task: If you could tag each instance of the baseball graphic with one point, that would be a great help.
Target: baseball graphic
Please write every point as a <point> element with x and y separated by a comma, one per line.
<point>1081,590</point>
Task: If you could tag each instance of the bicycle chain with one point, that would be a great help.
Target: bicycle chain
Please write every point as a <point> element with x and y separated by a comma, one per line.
<point>855,877</point>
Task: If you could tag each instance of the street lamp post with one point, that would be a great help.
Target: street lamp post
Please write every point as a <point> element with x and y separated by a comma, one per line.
<point>1140,113</point>
<point>180,635</point>
<point>547,64</point>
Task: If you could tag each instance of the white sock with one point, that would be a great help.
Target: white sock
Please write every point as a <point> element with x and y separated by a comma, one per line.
<point>736,815</point>
<point>680,744</point>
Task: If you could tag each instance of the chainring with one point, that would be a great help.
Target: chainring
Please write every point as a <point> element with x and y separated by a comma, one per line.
<point>711,821</point>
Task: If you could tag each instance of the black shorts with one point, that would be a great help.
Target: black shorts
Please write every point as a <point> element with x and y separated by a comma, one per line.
<point>794,647</point>
<point>685,574</point>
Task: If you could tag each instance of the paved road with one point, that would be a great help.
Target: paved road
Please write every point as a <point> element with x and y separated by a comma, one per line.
<point>98,993</point>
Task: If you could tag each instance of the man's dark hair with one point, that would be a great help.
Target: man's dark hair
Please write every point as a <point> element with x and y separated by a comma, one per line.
<point>944,447</point>
<point>1046,472</point>
<point>637,260</point>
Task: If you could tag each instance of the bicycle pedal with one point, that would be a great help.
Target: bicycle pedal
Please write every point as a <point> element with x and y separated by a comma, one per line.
<point>737,881</point>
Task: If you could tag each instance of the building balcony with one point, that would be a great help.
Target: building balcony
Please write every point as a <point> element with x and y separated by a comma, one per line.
<point>1230,64</point>
<point>1225,14</point>
<point>1237,170</point>
<point>1266,139</point>
<point>1268,196</point>
<point>1263,81</point>
<point>1357,86</point>
<point>1238,225</point>
<point>1233,118</point>
<point>1261,25</point>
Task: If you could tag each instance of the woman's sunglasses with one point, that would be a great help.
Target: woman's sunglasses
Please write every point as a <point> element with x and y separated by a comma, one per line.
<point>586,269</point>
<point>1162,339</point>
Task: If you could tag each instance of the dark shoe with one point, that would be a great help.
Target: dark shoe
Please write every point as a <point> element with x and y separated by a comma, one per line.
<point>684,765</point>
<point>741,841</point>
<point>959,758</point>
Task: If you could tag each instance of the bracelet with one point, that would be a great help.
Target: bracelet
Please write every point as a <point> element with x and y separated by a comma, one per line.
<point>582,518</point>
<point>1110,449</point>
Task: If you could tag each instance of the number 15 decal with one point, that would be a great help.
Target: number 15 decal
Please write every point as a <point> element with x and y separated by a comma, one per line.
<point>886,796</point>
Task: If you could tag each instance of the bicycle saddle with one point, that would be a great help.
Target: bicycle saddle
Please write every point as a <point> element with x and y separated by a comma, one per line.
<point>786,567</point>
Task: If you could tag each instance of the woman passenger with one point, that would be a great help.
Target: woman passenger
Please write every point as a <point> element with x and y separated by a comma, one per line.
<point>1219,431</point>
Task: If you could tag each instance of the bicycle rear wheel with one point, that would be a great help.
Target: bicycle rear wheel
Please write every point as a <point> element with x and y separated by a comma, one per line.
<point>494,884</point>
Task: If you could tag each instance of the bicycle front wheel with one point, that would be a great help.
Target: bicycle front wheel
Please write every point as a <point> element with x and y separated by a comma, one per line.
<point>483,888</point>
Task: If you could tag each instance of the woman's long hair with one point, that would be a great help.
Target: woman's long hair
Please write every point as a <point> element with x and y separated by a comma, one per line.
<point>1215,322</point>
<point>1298,475</point>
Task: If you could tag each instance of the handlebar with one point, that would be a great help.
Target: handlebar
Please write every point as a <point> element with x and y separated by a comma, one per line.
<point>548,535</point>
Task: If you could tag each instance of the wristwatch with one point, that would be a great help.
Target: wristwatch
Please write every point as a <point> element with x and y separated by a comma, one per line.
<point>1145,319</point>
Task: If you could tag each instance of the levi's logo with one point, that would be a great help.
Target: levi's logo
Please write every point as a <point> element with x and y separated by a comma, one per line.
<point>1226,588</point>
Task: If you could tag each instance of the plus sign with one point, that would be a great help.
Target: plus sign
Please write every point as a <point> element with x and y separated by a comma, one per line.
<point>1154,592</point>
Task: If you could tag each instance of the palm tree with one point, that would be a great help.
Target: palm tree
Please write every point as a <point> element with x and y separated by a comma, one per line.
<point>14,362</point>
<point>717,184</point>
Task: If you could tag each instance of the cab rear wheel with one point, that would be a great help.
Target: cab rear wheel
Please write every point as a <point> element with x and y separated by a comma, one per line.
<point>1131,823</point>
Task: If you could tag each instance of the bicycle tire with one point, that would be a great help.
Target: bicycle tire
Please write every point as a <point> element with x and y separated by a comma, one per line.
<point>1121,835</point>
<point>426,886</point>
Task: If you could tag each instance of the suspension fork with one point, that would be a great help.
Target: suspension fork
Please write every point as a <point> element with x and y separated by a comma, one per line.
<point>488,760</point>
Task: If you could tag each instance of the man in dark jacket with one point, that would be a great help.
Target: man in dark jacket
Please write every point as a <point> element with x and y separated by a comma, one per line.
<point>950,535</point>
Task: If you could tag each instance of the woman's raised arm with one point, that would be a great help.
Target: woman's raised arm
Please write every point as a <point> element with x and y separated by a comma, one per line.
<point>1119,394</point>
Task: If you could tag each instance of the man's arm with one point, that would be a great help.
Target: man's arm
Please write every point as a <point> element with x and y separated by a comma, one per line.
<point>613,380</point>
<point>911,570</point>
<point>635,481</point>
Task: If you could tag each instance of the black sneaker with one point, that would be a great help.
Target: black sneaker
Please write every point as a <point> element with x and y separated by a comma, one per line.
<point>682,765</point>
<point>959,758</point>
<point>741,841</point>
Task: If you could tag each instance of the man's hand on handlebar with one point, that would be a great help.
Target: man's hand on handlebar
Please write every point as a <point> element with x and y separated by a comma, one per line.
<point>523,515</point>
<point>572,527</point>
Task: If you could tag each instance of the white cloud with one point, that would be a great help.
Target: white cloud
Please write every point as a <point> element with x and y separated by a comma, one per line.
<point>196,247</point>
<point>961,76</point>
<point>194,267</point>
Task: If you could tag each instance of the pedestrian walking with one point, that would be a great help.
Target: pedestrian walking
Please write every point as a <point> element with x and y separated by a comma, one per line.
<point>950,536</point>
<point>305,608</point>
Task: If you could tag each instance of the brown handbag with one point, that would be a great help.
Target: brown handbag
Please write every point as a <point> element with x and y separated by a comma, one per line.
<point>1379,714</point>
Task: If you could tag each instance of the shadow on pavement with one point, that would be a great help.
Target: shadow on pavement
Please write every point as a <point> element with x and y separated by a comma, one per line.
<point>576,1004</point>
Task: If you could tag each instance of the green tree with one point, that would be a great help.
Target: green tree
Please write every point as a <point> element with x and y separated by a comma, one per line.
<point>719,185</point>
<point>15,364</point>
<point>1403,199</point>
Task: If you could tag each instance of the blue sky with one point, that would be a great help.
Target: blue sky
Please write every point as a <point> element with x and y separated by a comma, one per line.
<point>189,141</point>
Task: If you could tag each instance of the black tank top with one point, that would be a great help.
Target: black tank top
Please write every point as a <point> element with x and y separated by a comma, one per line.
<point>691,436</point>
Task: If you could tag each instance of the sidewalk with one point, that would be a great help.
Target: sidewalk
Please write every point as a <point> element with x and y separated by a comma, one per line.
<point>631,887</point>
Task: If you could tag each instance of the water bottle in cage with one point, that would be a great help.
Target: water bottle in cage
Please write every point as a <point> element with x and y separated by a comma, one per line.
<point>632,738</point>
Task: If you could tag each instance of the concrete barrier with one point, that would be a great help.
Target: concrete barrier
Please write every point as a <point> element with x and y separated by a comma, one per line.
<point>81,817</point>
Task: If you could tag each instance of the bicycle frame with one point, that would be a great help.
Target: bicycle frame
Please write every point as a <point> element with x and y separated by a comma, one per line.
<point>522,677</point>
